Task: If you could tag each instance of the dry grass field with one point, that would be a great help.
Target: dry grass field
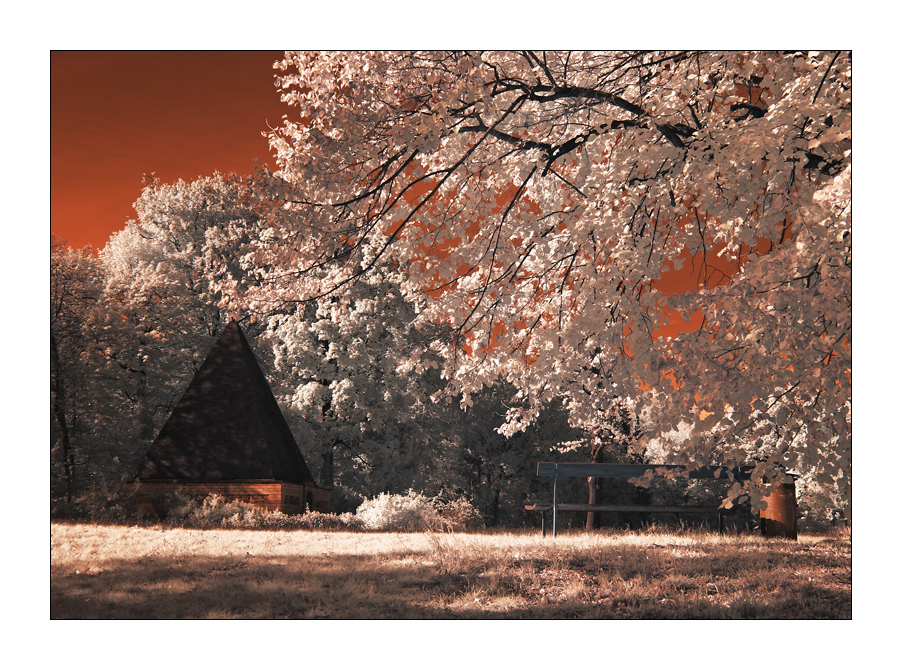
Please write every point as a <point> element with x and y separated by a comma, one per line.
<point>121,572</point>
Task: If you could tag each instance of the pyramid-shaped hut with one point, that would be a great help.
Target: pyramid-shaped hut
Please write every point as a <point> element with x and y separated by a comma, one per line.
<point>227,436</point>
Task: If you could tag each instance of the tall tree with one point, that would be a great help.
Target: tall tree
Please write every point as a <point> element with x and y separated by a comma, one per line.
<point>344,364</point>
<point>75,285</point>
<point>164,312</point>
<point>539,202</point>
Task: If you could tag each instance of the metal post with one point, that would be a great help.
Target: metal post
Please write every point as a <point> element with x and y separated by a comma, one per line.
<point>554,505</point>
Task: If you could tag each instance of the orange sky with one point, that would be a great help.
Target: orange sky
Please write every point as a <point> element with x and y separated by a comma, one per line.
<point>115,116</point>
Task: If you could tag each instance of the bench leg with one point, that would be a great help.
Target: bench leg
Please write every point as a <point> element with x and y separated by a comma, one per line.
<point>543,522</point>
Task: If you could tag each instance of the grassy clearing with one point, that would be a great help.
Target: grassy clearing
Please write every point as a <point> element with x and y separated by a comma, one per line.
<point>103,572</point>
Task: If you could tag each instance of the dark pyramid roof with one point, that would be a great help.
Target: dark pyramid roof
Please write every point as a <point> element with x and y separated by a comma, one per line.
<point>227,425</point>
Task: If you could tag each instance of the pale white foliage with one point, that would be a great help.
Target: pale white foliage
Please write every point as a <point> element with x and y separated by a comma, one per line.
<point>163,277</point>
<point>414,511</point>
<point>409,512</point>
<point>538,202</point>
<point>663,447</point>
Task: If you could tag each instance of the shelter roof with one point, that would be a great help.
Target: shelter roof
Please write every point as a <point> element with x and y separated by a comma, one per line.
<point>227,425</point>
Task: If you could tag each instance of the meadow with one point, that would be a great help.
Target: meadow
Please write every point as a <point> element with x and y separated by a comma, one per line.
<point>157,572</point>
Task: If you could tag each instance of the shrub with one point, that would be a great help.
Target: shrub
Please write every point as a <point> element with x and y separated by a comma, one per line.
<point>216,512</point>
<point>415,512</point>
<point>179,509</point>
<point>102,504</point>
<point>458,514</point>
<point>409,512</point>
<point>320,521</point>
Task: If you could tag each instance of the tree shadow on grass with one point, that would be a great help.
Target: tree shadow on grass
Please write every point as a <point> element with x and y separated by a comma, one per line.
<point>620,583</point>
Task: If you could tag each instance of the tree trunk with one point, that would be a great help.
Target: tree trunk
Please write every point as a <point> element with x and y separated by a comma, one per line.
<point>145,411</point>
<point>495,502</point>
<point>593,519</point>
<point>59,411</point>
<point>327,474</point>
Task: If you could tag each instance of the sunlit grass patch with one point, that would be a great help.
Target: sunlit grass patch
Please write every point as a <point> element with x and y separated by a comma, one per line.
<point>105,571</point>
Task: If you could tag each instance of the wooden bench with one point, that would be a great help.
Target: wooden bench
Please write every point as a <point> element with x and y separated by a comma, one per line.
<point>629,471</point>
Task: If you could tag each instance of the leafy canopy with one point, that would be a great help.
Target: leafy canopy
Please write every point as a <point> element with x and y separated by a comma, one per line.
<point>538,203</point>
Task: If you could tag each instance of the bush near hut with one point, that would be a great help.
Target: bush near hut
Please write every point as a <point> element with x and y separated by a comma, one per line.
<point>414,511</point>
<point>409,512</point>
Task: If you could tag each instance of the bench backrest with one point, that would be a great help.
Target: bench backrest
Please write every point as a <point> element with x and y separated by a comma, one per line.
<point>629,470</point>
